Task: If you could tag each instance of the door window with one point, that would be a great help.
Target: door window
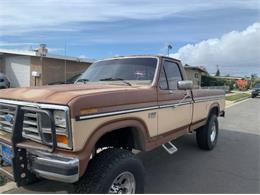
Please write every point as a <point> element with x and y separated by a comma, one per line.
<point>170,75</point>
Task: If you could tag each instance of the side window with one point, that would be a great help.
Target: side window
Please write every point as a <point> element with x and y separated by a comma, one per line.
<point>163,80</point>
<point>173,75</point>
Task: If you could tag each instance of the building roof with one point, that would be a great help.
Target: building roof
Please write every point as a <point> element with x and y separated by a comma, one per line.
<point>53,56</point>
<point>195,68</point>
<point>230,77</point>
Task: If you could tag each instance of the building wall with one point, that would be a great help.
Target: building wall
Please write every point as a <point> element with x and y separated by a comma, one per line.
<point>195,76</point>
<point>191,76</point>
<point>37,67</point>
<point>53,70</point>
<point>17,70</point>
<point>1,63</point>
<point>50,70</point>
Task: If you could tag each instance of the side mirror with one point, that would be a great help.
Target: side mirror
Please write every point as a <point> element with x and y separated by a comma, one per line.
<point>185,85</point>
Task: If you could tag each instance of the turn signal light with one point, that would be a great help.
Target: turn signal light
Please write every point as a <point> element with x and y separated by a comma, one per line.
<point>62,139</point>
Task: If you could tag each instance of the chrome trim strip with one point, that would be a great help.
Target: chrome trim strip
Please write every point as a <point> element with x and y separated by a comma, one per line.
<point>52,159</point>
<point>205,99</point>
<point>57,177</point>
<point>117,112</point>
<point>36,105</point>
<point>174,105</point>
<point>131,111</point>
<point>209,97</point>
<point>148,108</point>
<point>69,161</point>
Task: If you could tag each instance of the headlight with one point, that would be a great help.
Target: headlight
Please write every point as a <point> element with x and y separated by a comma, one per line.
<point>62,130</point>
<point>60,118</point>
<point>63,136</point>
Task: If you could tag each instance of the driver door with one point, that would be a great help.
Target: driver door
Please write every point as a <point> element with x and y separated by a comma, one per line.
<point>175,108</point>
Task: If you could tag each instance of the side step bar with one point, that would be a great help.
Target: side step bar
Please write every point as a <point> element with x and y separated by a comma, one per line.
<point>170,148</point>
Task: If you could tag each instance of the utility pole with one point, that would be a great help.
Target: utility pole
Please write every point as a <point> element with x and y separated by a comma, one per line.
<point>65,63</point>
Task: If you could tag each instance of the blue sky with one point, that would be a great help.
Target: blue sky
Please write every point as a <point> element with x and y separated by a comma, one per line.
<point>104,28</point>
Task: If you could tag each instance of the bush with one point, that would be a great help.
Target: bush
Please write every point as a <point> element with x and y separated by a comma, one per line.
<point>207,81</point>
<point>255,82</point>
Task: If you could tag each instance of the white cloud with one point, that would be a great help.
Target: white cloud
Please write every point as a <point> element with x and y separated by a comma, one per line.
<point>21,16</point>
<point>236,52</point>
<point>12,44</point>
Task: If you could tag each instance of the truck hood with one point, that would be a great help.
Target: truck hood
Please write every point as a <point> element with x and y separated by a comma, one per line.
<point>59,94</point>
<point>85,96</point>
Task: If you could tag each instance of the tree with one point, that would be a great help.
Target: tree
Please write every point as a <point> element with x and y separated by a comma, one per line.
<point>242,84</point>
<point>218,71</point>
<point>253,79</point>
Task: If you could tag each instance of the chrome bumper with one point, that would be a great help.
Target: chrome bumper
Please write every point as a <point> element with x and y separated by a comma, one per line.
<point>55,167</point>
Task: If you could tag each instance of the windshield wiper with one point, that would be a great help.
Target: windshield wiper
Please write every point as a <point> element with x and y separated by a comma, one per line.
<point>82,81</point>
<point>116,79</point>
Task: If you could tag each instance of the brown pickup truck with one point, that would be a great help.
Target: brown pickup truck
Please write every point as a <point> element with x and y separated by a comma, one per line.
<point>85,133</point>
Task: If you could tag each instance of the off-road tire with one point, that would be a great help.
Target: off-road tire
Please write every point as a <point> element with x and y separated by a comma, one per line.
<point>203,134</point>
<point>105,167</point>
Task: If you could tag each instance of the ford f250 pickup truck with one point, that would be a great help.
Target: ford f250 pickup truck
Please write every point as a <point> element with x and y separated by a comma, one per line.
<point>84,133</point>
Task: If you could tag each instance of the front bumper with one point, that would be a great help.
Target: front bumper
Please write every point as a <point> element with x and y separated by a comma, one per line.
<point>42,164</point>
<point>23,159</point>
<point>53,167</point>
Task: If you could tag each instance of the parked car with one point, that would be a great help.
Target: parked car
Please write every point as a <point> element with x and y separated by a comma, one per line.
<point>255,91</point>
<point>85,133</point>
<point>68,81</point>
<point>4,82</point>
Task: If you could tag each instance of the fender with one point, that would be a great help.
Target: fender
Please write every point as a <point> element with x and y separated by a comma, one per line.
<point>214,105</point>
<point>143,135</point>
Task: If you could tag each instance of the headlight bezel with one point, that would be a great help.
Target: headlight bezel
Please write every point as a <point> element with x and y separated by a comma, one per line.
<point>45,131</point>
<point>66,129</point>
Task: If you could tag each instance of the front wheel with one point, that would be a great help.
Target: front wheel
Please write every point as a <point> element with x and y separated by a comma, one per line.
<point>113,171</point>
<point>207,135</point>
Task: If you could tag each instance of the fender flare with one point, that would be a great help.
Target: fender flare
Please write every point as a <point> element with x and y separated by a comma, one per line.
<point>85,154</point>
<point>212,106</point>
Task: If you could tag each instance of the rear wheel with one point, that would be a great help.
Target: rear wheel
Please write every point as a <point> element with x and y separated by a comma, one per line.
<point>114,171</point>
<point>207,135</point>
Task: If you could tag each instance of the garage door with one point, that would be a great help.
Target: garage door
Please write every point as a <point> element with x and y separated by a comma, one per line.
<point>17,69</point>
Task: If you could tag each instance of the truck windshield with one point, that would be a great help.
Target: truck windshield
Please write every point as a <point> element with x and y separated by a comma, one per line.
<point>137,71</point>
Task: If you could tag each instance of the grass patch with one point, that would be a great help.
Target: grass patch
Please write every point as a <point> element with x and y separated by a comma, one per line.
<point>237,97</point>
<point>3,180</point>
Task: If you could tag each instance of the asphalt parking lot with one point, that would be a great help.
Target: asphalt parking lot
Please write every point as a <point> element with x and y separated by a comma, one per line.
<point>232,167</point>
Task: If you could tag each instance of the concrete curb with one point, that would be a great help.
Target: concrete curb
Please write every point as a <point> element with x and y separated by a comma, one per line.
<point>8,186</point>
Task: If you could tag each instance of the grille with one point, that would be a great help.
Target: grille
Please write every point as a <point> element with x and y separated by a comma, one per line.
<point>37,122</point>
<point>30,122</point>
<point>7,116</point>
<point>31,126</point>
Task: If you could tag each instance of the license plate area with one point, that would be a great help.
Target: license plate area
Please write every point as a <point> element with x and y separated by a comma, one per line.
<point>6,154</point>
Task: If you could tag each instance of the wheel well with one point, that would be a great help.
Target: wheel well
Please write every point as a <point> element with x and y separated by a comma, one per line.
<point>214,110</point>
<point>127,138</point>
